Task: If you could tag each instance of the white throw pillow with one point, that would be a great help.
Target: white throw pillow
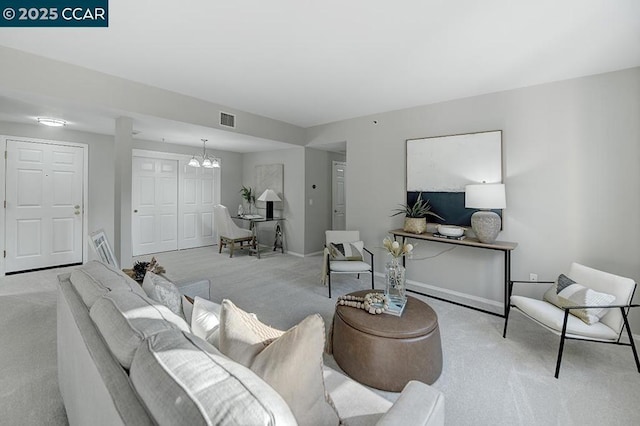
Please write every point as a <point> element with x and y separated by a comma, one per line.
<point>290,362</point>
<point>566,292</point>
<point>164,291</point>
<point>346,251</point>
<point>578,295</point>
<point>205,320</point>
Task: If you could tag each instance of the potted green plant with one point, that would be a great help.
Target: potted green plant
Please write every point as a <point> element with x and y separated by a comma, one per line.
<point>416,215</point>
<point>248,195</point>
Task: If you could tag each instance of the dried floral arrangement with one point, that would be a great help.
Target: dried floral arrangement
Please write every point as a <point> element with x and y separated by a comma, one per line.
<point>140,268</point>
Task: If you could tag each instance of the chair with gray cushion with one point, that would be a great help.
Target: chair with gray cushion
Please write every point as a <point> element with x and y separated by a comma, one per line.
<point>586,304</point>
<point>228,232</point>
<point>341,257</point>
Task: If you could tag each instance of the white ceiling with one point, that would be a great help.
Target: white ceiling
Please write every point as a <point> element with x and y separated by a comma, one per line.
<point>310,63</point>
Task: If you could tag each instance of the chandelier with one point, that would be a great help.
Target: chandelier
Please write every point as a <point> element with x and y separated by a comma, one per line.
<point>206,161</point>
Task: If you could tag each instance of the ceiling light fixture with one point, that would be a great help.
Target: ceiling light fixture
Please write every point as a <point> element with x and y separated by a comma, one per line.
<point>53,122</point>
<point>206,162</point>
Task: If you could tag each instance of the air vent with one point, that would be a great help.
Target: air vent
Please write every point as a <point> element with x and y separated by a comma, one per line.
<point>227,120</point>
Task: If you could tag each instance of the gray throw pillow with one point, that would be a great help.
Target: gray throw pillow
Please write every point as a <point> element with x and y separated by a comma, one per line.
<point>185,381</point>
<point>164,291</point>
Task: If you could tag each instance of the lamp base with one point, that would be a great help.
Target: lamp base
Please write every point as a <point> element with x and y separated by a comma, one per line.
<point>486,225</point>
<point>269,209</point>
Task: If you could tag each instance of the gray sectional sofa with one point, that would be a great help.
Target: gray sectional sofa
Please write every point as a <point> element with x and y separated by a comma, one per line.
<point>126,359</point>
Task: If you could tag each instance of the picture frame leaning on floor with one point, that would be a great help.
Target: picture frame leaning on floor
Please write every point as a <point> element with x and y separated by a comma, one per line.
<point>101,245</point>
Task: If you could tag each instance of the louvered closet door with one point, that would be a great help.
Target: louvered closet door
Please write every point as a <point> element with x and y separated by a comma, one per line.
<point>44,214</point>
<point>154,199</point>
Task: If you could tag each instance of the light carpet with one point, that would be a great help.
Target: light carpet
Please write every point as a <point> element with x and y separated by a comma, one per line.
<point>486,380</point>
<point>28,364</point>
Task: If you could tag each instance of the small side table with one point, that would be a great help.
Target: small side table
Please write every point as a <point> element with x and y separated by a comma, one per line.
<point>385,351</point>
<point>278,242</point>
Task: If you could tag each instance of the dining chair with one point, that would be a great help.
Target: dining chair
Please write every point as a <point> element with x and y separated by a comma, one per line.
<point>228,232</point>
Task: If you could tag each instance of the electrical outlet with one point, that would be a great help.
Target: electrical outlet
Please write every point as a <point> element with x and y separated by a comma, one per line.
<point>533,277</point>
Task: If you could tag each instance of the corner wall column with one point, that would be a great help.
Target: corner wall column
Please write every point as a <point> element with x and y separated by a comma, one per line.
<point>122,193</point>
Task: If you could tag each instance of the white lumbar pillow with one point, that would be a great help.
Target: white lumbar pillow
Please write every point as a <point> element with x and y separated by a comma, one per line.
<point>205,320</point>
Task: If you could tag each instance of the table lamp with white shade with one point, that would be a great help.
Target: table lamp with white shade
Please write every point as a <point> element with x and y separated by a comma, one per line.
<point>269,195</point>
<point>485,196</point>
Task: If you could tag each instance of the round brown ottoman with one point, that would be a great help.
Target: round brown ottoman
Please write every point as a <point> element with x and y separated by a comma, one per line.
<point>385,351</point>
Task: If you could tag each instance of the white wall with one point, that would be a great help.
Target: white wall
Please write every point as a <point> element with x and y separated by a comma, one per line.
<point>571,154</point>
<point>101,169</point>
<point>38,76</point>
<point>294,166</point>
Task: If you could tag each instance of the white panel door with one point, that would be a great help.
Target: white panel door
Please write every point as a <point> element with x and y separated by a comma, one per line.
<point>154,198</point>
<point>196,207</point>
<point>44,214</point>
<point>338,199</point>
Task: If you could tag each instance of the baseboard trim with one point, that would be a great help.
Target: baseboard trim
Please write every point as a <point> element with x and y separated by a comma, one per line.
<point>458,298</point>
<point>466,300</point>
<point>293,253</point>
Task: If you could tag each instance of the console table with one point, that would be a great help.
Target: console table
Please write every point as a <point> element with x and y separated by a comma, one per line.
<point>503,246</point>
<point>278,242</point>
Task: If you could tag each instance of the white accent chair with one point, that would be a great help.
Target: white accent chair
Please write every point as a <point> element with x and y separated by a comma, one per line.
<point>558,321</point>
<point>230,233</point>
<point>345,266</point>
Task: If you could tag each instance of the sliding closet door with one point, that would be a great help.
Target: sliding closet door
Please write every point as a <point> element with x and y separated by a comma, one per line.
<point>154,199</point>
<point>197,195</point>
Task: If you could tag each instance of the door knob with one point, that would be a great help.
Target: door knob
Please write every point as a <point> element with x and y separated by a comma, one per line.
<point>76,207</point>
<point>77,212</point>
<point>135,211</point>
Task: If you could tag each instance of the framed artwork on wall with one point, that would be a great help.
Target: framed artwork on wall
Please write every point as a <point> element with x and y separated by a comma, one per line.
<point>270,176</point>
<point>440,167</point>
<point>101,245</point>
